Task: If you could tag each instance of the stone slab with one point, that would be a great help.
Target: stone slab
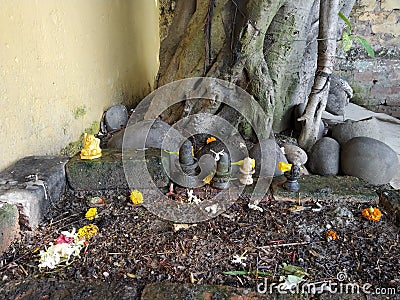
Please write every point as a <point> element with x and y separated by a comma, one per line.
<point>32,184</point>
<point>9,225</point>
<point>107,172</point>
<point>326,188</point>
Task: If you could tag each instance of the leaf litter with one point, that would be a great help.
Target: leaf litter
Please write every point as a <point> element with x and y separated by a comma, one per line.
<point>239,248</point>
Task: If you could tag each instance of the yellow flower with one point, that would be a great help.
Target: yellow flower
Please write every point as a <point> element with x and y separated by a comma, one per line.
<point>372,214</point>
<point>136,197</point>
<point>331,235</point>
<point>284,167</point>
<point>91,213</point>
<point>87,232</point>
<point>211,139</point>
<point>240,162</point>
<point>253,163</point>
<point>208,178</point>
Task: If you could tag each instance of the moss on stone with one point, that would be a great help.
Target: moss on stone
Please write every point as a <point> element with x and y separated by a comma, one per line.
<point>74,147</point>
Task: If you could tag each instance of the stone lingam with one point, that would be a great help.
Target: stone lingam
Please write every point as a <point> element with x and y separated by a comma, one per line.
<point>292,174</point>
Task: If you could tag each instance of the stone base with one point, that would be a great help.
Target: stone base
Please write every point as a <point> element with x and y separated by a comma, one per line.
<point>32,184</point>
<point>326,188</point>
<point>107,172</point>
<point>9,225</point>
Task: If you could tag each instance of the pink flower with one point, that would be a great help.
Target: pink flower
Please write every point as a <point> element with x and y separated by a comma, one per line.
<point>63,239</point>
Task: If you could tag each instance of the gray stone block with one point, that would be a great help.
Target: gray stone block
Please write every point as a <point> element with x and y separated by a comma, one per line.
<point>369,159</point>
<point>9,225</point>
<point>32,184</point>
<point>108,172</point>
<point>151,133</point>
<point>339,96</point>
<point>350,129</point>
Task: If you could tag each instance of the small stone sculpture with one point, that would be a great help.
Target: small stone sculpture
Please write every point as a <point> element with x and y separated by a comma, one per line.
<point>91,147</point>
<point>246,169</point>
<point>187,161</point>
<point>223,173</point>
<point>291,184</point>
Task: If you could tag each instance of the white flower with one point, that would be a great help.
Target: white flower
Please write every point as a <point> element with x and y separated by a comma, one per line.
<point>212,208</point>
<point>255,207</point>
<point>192,197</point>
<point>62,252</point>
<point>218,154</point>
<point>238,259</point>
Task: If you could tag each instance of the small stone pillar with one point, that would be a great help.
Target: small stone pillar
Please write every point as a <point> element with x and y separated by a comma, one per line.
<point>187,162</point>
<point>223,173</point>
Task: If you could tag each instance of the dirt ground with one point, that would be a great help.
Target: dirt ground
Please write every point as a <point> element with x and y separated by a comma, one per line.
<point>134,247</point>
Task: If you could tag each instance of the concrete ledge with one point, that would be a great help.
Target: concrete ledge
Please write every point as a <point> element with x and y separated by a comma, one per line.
<point>326,188</point>
<point>107,172</point>
<point>32,184</point>
<point>9,225</point>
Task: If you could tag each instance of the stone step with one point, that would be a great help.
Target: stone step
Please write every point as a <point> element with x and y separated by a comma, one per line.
<point>9,225</point>
<point>27,190</point>
<point>326,188</point>
<point>32,184</point>
<point>108,171</point>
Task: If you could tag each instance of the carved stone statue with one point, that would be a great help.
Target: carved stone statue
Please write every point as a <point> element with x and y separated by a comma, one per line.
<point>91,147</point>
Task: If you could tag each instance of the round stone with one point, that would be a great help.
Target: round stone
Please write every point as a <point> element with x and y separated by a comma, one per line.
<point>116,117</point>
<point>350,129</point>
<point>273,155</point>
<point>324,157</point>
<point>369,159</point>
<point>294,154</point>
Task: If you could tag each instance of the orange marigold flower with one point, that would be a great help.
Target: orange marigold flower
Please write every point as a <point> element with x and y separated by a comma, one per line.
<point>211,139</point>
<point>372,214</point>
<point>331,235</point>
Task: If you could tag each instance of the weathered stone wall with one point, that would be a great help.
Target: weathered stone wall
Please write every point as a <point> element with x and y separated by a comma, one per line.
<point>376,81</point>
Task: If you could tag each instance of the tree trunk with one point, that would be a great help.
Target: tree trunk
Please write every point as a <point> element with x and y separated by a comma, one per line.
<point>267,47</point>
<point>328,24</point>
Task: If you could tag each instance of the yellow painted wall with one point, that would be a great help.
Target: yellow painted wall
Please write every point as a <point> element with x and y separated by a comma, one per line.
<point>63,62</point>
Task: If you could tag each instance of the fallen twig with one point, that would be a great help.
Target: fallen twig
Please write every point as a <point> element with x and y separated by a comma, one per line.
<point>282,245</point>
